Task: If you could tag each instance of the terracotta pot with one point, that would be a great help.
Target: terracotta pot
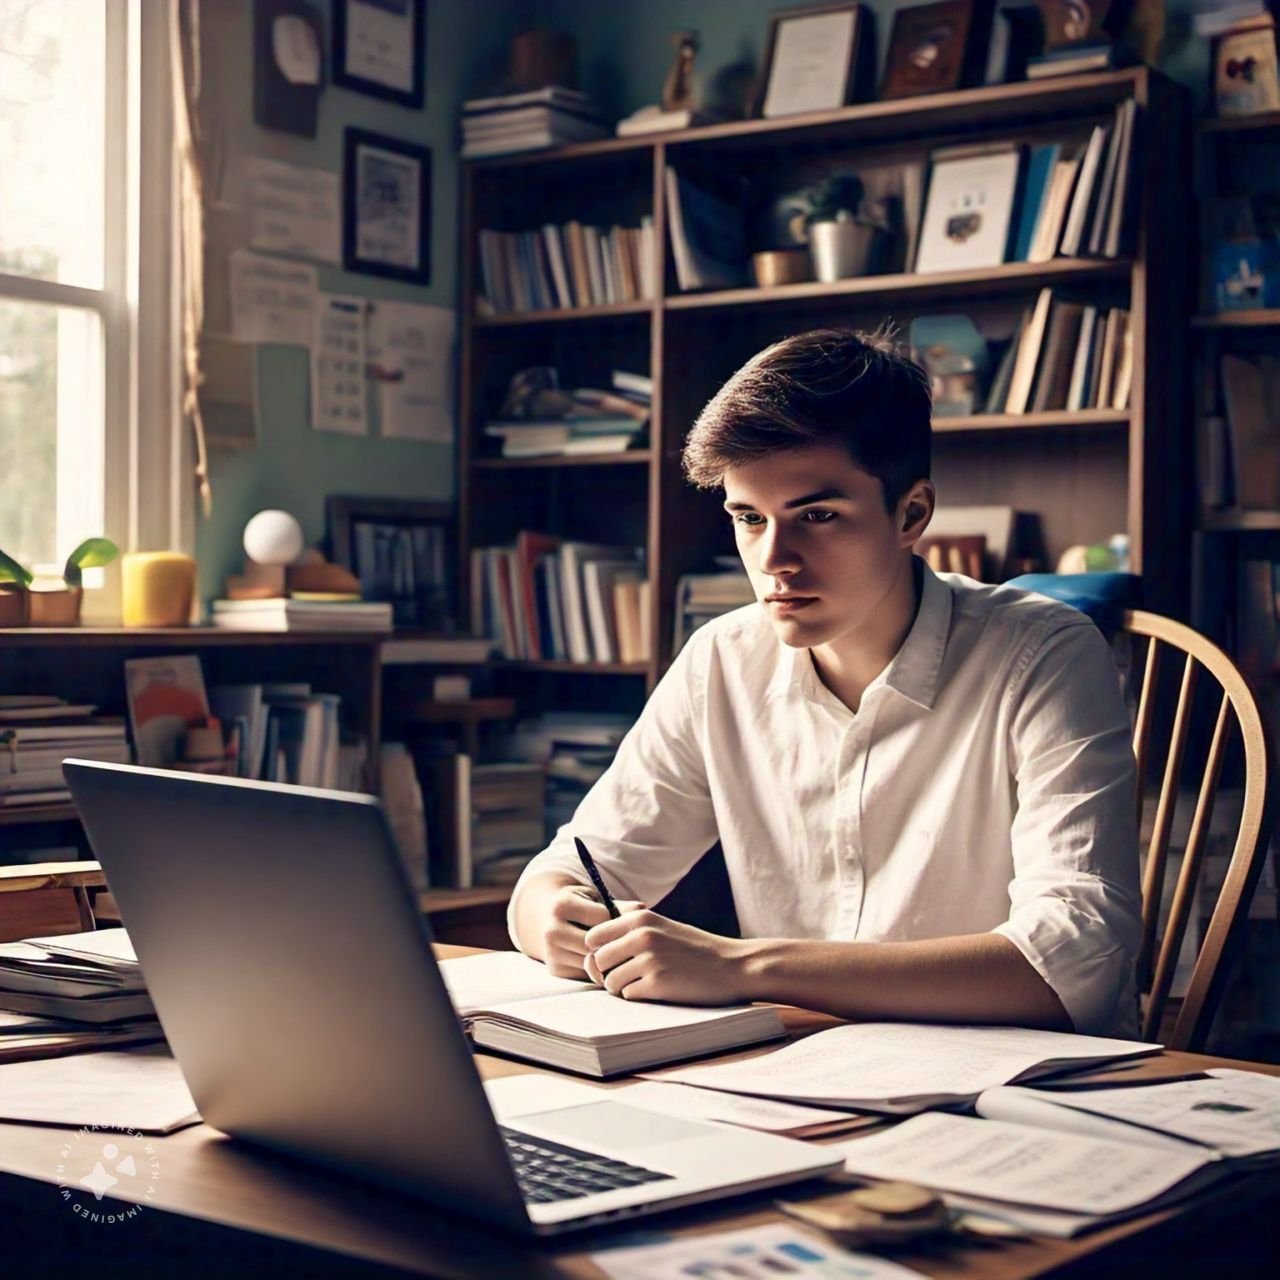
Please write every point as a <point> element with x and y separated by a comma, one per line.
<point>13,606</point>
<point>55,608</point>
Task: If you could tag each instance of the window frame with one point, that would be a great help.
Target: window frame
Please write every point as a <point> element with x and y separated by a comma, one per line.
<point>147,465</point>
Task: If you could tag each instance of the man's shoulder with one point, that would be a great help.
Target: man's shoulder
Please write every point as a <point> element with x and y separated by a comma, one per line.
<point>740,632</point>
<point>1011,615</point>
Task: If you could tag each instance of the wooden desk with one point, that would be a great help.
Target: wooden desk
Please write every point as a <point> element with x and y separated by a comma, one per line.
<point>224,1209</point>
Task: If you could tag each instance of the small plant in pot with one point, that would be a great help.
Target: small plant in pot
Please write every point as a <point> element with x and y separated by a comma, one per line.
<point>22,603</point>
<point>839,241</point>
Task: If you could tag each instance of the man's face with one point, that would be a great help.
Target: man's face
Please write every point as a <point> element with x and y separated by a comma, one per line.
<point>820,547</point>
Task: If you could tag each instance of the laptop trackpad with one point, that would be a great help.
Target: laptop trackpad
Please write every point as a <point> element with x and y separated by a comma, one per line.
<point>613,1126</point>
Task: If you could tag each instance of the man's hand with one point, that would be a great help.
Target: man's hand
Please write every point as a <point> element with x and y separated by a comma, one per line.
<point>572,911</point>
<point>644,956</point>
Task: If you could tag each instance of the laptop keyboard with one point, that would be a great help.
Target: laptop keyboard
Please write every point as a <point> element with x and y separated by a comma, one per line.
<point>547,1171</point>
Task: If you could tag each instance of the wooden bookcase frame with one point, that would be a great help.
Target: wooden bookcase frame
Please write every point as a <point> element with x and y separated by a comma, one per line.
<point>1152,437</point>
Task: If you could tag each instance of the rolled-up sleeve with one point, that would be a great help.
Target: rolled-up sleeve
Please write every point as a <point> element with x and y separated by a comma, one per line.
<point>650,817</point>
<point>1075,904</point>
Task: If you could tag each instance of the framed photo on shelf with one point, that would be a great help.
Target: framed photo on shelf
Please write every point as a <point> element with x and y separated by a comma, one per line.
<point>403,552</point>
<point>934,48</point>
<point>386,207</point>
<point>380,48</point>
<point>969,208</point>
<point>816,58</point>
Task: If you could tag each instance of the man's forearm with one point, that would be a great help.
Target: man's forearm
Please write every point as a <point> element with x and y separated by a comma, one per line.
<point>975,978</point>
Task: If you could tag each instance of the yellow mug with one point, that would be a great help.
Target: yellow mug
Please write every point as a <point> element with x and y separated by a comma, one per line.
<point>157,588</point>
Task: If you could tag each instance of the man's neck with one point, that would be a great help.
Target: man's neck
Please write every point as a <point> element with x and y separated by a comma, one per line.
<point>852,661</point>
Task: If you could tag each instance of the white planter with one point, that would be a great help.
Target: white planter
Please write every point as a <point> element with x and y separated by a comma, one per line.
<point>840,248</point>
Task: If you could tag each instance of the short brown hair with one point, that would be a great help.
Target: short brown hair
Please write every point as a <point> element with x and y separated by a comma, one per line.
<point>828,386</point>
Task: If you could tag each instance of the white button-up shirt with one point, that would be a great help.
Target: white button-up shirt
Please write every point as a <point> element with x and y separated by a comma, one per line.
<point>986,783</point>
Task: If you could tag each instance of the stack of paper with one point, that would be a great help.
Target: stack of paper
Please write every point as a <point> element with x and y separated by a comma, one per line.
<point>80,977</point>
<point>902,1068</point>
<point>24,1036</point>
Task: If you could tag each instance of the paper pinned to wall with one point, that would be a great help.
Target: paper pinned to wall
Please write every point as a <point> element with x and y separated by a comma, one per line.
<point>411,356</point>
<point>337,366</point>
<point>272,300</point>
<point>293,210</point>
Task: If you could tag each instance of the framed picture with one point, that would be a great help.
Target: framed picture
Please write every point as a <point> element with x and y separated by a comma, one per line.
<point>816,59</point>
<point>937,47</point>
<point>968,209</point>
<point>1072,22</point>
<point>402,551</point>
<point>380,48</point>
<point>1245,79</point>
<point>386,207</point>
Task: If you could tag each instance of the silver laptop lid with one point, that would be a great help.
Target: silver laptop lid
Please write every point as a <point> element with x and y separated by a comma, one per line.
<point>254,909</point>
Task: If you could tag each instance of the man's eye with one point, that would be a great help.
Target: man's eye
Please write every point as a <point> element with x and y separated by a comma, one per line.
<point>752,519</point>
<point>819,515</point>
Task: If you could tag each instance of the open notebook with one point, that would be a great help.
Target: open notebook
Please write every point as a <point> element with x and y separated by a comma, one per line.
<point>511,1004</point>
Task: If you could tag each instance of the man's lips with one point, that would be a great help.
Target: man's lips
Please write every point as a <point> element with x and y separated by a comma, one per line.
<point>789,601</point>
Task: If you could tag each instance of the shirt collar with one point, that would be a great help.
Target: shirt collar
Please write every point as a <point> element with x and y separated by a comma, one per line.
<point>915,668</point>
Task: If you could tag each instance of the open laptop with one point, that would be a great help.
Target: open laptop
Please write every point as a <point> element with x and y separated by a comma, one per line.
<point>291,970</point>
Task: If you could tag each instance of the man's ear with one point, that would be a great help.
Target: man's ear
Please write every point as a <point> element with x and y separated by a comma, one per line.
<point>915,510</point>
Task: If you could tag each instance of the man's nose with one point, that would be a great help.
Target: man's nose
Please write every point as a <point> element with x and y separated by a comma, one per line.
<point>776,552</point>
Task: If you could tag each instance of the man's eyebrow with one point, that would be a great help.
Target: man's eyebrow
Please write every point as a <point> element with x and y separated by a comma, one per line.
<point>822,495</point>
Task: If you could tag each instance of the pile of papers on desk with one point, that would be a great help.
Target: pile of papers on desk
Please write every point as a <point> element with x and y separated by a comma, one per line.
<point>75,978</point>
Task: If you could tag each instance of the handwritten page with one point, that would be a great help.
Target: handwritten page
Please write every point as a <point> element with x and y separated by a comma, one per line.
<point>480,982</point>
<point>338,396</point>
<point>272,300</point>
<point>900,1066</point>
<point>411,356</point>
<point>771,1250</point>
<point>141,1089</point>
<point>1021,1165</point>
<point>729,1108</point>
<point>1234,1112</point>
<point>293,210</point>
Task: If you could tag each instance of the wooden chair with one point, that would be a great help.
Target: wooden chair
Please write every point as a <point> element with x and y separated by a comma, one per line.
<point>1157,961</point>
<point>47,898</point>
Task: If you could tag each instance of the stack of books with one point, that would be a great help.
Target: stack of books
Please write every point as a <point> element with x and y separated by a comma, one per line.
<point>1065,355</point>
<point>597,421</point>
<point>38,732</point>
<point>562,266</point>
<point>290,613</point>
<point>508,820</point>
<point>528,121</point>
<point>550,599</point>
<point>575,748</point>
<point>77,978</point>
<point>703,596</point>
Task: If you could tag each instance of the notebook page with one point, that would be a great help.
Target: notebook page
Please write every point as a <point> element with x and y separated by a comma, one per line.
<point>106,945</point>
<point>729,1108</point>
<point>501,977</point>
<point>596,1016</point>
<point>1021,1165</point>
<point>885,1061</point>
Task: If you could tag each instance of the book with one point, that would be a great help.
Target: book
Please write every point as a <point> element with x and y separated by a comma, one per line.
<point>1053,214</point>
<point>1041,163</point>
<point>1085,195</point>
<point>708,239</point>
<point>901,1068</point>
<point>1078,388</point>
<point>283,614</point>
<point>573,557</point>
<point>1061,337</point>
<point>1120,215</point>
<point>166,696</point>
<point>510,1003</point>
<point>1253,430</point>
<point>1028,355</point>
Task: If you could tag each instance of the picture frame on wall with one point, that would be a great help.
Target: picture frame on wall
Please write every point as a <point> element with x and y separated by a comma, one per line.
<point>380,48</point>
<point>403,551</point>
<point>935,48</point>
<point>817,58</point>
<point>386,207</point>
<point>969,208</point>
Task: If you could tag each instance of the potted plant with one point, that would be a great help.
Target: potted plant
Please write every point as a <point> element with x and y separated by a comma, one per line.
<point>839,241</point>
<point>21,603</point>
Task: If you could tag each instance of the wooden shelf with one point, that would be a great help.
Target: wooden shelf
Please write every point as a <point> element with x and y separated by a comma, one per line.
<point>472,711</point>
<point>435,901</point>
<point>1242,124</point>
<point>16,815</point>
<point>1013,277</point>
<point>1260,319</point>
<point>610,311</point>
<point>176,637</point>
<point>1054,420</point>
<point>578,668</point>
<point>559,460</point>
<point>1240,521</point>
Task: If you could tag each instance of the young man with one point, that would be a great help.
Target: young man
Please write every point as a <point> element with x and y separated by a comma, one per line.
<point>923,786</point>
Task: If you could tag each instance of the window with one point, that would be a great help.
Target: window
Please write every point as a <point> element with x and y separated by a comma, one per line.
<point>87,382</point>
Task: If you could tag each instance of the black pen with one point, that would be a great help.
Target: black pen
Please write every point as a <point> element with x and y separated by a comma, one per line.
<point>593,871</point>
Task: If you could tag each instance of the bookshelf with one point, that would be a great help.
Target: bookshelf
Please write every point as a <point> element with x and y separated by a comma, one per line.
<point>1087,473</point>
